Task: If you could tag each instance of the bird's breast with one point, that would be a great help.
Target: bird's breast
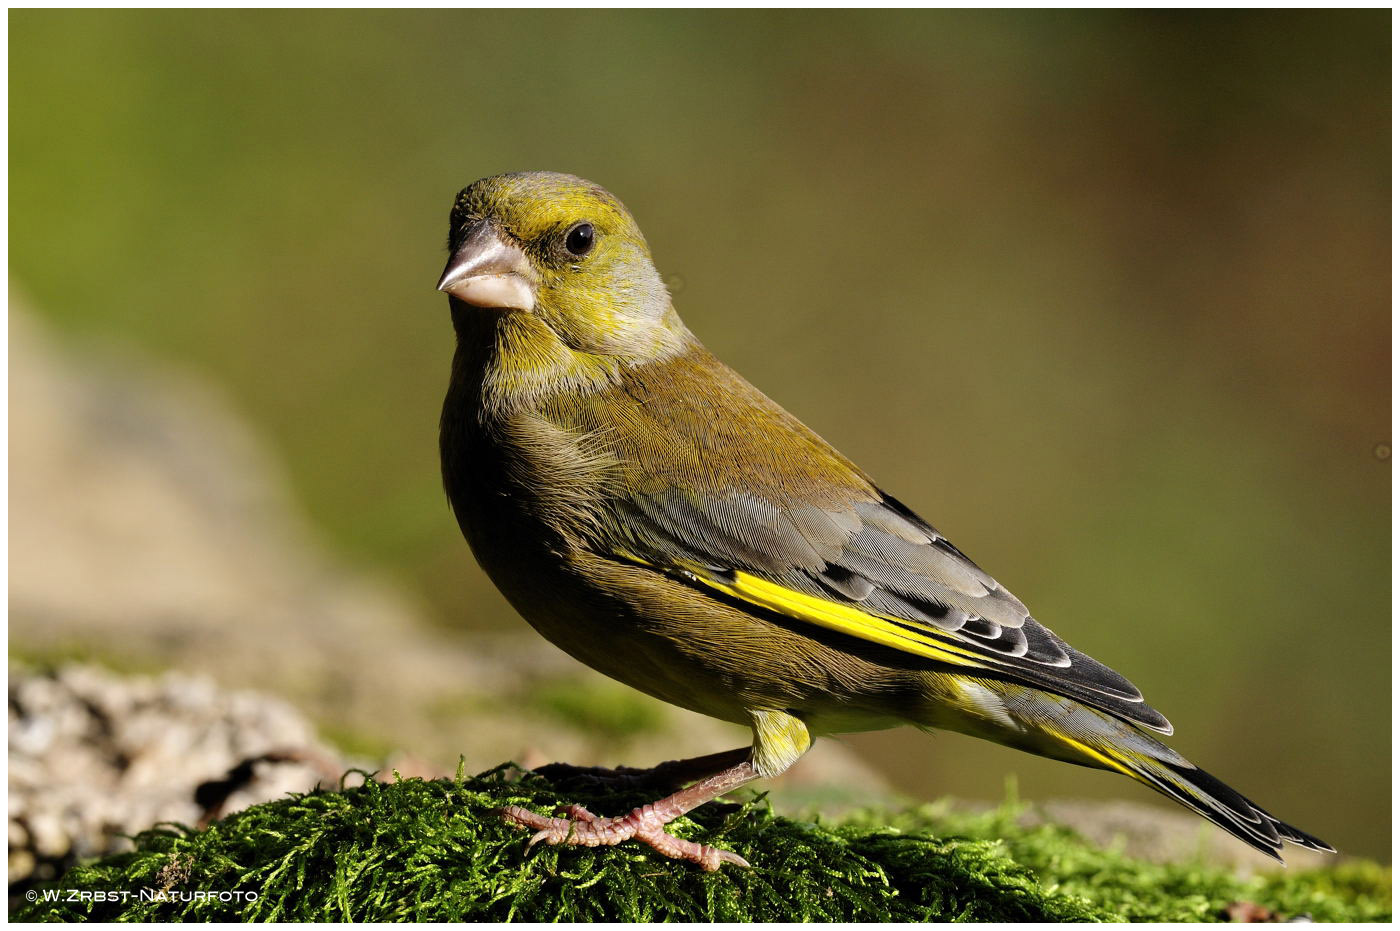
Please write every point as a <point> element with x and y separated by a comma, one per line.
<point>526,483</point>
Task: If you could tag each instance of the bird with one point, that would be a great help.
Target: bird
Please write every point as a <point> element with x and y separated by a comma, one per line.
<point>661,520</point>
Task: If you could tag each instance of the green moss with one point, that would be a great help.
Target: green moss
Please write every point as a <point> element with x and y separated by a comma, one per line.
<point>433,851</point>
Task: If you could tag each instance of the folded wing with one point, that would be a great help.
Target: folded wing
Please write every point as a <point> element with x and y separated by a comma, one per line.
<point>871,569</point>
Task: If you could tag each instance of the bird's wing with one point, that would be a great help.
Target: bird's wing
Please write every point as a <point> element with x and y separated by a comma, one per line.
<point>872,570</point>
<point>715,484</point>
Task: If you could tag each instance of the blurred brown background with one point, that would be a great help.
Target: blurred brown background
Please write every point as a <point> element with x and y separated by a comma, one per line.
<point>1105,296</point>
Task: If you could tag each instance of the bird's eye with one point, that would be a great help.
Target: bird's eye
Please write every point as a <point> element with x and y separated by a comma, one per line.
<point>580,239</point>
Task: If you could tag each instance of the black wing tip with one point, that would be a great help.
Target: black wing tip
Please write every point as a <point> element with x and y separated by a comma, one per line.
<point>1235,813</point>
<point>1302,838</point>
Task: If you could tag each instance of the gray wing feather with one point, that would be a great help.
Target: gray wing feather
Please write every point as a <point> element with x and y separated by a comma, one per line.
<point>880,557</point>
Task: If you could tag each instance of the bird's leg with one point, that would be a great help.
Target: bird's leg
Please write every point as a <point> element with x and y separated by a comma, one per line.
<point>779,739</point>
<point>669,775</point>
<point>676,773</point>
<point>582,827</point>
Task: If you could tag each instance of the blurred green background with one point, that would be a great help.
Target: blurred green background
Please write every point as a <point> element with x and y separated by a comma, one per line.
<point>1105,296</point>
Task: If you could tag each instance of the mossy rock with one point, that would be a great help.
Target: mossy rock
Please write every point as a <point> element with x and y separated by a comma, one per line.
<point>435,851</point>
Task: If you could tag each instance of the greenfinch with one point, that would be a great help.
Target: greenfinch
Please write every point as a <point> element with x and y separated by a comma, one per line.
<point>658,518</point>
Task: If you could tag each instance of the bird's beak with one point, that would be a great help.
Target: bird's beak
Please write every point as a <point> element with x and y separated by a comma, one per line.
<point>487,271</point>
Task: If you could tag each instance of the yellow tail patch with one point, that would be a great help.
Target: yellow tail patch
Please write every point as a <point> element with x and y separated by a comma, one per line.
<point>1093,754</point>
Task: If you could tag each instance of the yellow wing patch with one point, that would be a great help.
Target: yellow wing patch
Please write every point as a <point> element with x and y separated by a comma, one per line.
<point>872,627</point>
<point>875,628</point>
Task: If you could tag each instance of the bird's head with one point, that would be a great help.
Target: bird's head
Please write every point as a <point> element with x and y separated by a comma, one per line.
<point>566,255</point>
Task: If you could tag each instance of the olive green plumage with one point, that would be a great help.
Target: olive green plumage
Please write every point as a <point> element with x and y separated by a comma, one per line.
<point>660,519</point>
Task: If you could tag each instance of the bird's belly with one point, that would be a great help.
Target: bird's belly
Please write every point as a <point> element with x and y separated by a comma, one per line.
<point>632,654</point>
<point>600,630</point>
<point>825,721</point>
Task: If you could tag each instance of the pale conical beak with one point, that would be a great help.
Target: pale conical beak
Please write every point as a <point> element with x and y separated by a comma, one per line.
<point>487,271</point>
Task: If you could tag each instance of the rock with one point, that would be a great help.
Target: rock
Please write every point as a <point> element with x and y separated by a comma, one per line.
<point>94,756</point>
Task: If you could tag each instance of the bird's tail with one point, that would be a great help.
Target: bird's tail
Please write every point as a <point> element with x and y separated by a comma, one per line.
<point>1067,730</point>
<point>1206,795</point>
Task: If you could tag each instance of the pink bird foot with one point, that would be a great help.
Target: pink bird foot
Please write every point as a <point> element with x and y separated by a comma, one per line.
<point>581,827</point>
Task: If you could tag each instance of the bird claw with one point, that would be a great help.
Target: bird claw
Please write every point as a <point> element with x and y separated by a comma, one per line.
<point>708,858</point>
<point>583,828</point>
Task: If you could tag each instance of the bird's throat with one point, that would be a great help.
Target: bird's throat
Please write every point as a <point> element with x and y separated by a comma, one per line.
<point>513,361</point>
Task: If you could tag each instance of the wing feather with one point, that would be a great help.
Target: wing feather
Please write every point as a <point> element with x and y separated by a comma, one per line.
<point>874,570</point>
